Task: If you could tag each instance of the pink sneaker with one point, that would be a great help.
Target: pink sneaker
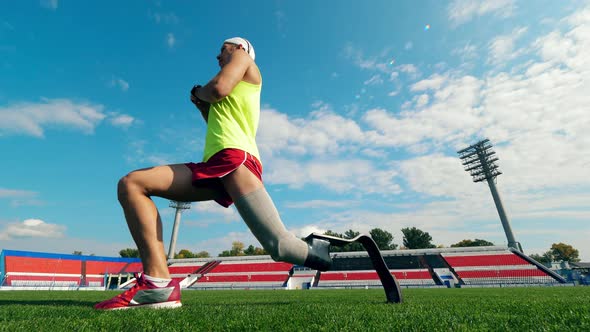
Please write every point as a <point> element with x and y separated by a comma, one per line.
<point>144,295</point>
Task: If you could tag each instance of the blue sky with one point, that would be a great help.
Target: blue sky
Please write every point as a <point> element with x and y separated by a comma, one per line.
<point>364,107</point>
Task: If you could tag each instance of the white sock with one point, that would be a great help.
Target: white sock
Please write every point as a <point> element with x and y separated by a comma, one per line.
<point>160,282</point>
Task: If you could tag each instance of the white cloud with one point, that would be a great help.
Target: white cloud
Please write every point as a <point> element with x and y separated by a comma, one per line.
<point>518,110</point>
<point>304,231</point>
<point>451,114</point>
<point>432,83</point>
<point>208,208</point>
<point>325,132</point>
<point>502,47</point>
<point>167,18</point>
<point>12,193</point>
<point>121,120</point>
<point>408,46</point>
<point>32,118</point>
<point>202,215</point>
<point>437,175</point>
<point>120,83</point>
<point>394,93</point>
<point>340,176</point>
<point>216,245</point>
<point>409,69</point>
<point>466,53</point>
<point>67,245</point>
<point>535,115</point>
<point>320,204</point>
<point>49,4</point>
<point>281,22</point>
<point>32,228</point>
<point>360,60</point>
<point>374,80</point>
<point>170,40</point>
<point>20,197</point>
<point>463,11</point>
<point>422,100</point>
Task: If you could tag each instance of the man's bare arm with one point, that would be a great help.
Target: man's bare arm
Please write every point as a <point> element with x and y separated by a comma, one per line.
<point>228,77</point>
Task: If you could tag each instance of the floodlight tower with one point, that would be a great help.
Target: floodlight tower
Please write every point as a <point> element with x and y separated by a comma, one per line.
<point>479,160</point>
<point>179,206</point>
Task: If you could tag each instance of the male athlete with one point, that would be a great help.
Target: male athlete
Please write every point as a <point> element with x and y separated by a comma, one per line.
<point>230,172</point>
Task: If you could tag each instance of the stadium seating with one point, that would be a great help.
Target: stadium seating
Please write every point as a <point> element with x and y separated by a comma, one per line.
<point>445,267</point>
<point>506,258</point>
<point>503,267</point>
<point>33,269</point>
<point>245,275</point>
<point>416,277</point>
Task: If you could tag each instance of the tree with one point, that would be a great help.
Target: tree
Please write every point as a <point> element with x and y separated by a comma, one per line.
<point>350,234</point>
<point>77,253</point>
<point>237,249</point>
<point>184,253</point>
<point>330,233</point>
<point>383,239</point>
<point>202,254</point>
<point>225,253</point>
<point>254,251</point>
<point>260,251</point>
<point>544,258</point>
<point>472,243</point>
<point>415,238</point>
<point>249,251</point>
<point>562,252</point>
<point>129,253</point>
<point>334,248</point>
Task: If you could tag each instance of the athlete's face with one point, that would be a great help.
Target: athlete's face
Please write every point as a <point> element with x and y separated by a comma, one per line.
<point>225,54</point>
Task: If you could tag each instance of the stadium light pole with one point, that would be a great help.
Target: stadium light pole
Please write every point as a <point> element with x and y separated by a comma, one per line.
<point>179,206</point>
<point>479,160</point>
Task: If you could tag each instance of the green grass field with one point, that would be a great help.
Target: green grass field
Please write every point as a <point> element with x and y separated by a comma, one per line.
<point>498,309</point>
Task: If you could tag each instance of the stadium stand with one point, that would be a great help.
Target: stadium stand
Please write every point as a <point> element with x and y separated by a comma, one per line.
<point>245,273</point>
<point>417,277</point>
<point>439,267</point>
<point>61,271</point>
<point>180,271</point>
<point>496,267</point>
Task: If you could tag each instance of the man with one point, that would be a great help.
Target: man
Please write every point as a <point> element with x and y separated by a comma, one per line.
<point>231,172</point>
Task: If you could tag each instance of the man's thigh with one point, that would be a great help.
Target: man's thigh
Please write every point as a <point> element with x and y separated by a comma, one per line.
<point>172,182</point>
<point>240,182</point>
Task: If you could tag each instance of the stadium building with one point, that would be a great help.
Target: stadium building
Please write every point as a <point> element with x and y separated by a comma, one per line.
<point>36,270</point>
<point>495,266</point>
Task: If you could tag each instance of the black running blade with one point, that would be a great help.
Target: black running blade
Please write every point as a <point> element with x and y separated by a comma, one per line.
<point>390,284</point>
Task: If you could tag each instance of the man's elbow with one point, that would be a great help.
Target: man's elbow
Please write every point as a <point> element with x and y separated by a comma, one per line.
<point>221,90</point>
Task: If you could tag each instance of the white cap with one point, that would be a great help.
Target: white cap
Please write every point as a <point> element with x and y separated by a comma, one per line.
<point>245,44</point>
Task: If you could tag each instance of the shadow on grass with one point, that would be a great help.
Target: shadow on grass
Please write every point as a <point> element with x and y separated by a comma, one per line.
<point>64,303</point>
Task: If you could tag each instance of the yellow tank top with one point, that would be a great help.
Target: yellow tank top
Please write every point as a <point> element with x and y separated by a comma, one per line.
<point>233,121</point>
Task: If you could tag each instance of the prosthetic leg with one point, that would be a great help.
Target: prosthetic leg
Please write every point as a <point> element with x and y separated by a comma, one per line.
<point>390,285</point>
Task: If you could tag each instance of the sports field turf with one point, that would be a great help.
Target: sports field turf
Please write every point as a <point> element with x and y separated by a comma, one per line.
<point>474,309</point>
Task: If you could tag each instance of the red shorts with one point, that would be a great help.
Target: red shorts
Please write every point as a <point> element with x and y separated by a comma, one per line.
<point>208,174</point>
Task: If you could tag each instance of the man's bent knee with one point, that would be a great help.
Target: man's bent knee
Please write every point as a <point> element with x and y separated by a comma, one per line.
<point>126,185</point>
